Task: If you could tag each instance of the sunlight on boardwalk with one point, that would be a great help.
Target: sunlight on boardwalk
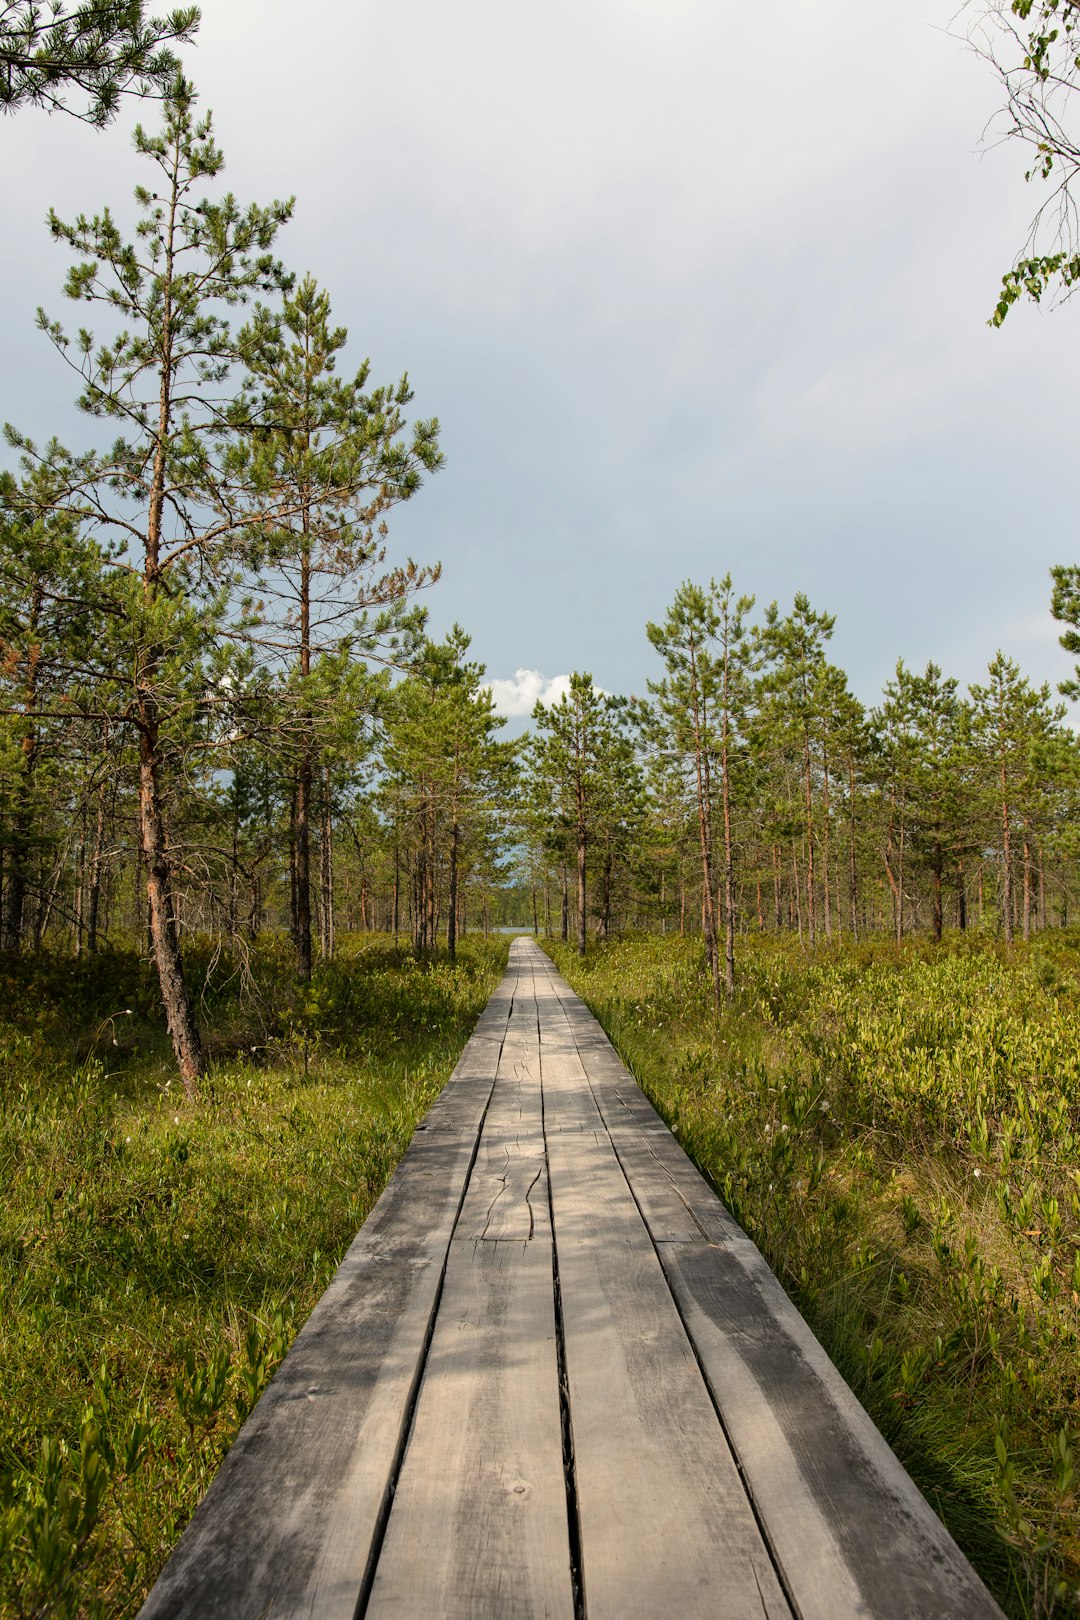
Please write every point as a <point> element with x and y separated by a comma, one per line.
<point>553,1378</point>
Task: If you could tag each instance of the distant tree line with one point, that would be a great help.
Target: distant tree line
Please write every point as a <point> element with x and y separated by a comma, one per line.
<point>753,791</point>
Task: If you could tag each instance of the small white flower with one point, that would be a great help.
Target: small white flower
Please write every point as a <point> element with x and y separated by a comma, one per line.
<point>977,1171</point>
<point>176,1119</point>
<point>127,1138</point>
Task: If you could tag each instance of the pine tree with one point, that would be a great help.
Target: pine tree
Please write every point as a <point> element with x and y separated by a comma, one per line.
<point>794,648</point>
<point>327,461</point>
<point>152,498</point>
<point>687,701</point>
<point>567,762</point>
<point>447,776</point>
<point>1010,719</point>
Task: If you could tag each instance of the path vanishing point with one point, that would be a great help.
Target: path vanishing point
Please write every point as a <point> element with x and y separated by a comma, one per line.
<point>553,1378</point>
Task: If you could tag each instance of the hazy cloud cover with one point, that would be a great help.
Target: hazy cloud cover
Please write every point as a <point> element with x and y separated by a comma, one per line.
<point>693,288</point>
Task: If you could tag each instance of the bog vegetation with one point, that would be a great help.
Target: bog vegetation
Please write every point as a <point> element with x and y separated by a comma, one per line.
<point>896,1127</point>
<point>256,827</point>
<point>156,1256</point>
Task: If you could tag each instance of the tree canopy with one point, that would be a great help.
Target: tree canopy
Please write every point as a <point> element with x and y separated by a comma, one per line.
<point>82,59</point>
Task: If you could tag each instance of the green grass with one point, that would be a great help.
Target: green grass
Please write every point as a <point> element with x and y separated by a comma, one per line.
<point>898,1130</point>
<point>157,1255</point>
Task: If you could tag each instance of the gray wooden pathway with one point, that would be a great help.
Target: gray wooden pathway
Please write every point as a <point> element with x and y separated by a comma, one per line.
<point>553,1378</point>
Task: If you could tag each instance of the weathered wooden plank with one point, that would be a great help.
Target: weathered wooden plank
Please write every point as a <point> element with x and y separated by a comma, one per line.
<point>850,1532</point>
<point>666,1527</point>
<point>676,1201</point>
<point>507,1195</point>
<point>479,1522</point>
<point>288,1524</point>
<point>848,1528</point>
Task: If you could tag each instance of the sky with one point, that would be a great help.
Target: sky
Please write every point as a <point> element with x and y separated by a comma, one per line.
<point>693,288</point>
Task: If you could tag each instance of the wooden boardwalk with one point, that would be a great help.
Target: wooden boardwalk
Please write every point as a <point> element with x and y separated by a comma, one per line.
<point>553,1378</point>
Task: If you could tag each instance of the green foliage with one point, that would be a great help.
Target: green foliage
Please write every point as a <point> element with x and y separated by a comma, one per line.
<point>97,51</point>
<point>582,781</point>
<point>158,1255</point>
<point>1038,66</point>
<point>898,1130</point>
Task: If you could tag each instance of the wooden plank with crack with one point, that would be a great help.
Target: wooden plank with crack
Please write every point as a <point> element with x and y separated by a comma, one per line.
<point>479,1522</point>
<point>290,1522</point>
<point>666,1527</point>
<point>677,1202</point>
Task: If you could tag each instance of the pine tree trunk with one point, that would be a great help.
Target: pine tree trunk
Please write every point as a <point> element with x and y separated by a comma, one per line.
<point>79,908</point>
<point>581,853</point>
<point>937,866</point>
<point>795,889</point>
<point>565,906</point>
<point>179,1010</point>
<point>900,888</point>
<point>605,900</point>
<point>811,904</point>
<point>293,928</point>
<point>328,941</point>
<point>853,863</point>
<point>825,842</point>
<point>704,808</point>
<point>234,867</point>
<point>1007,899</point>
<point>1042,893</point>
<point>302,835</point>
<point>96,861</point>
<point>729,895</point>
<point>452,907</point>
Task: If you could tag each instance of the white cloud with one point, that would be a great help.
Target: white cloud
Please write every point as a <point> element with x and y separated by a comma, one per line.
<point>525,688</point>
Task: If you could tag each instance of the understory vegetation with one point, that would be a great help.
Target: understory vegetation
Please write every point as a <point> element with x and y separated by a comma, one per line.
<point>897,1129</point>
<point>159,1253</point>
